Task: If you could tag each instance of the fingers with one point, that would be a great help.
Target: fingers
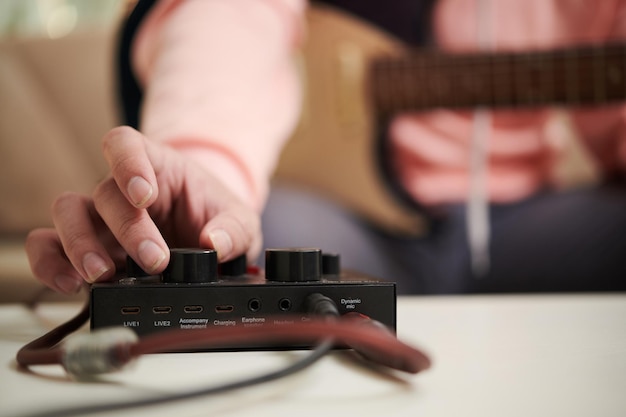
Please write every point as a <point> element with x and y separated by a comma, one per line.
<point>134,186</point>
<point>233,231</point>
<point>90,232</point>
<point>132,227</point>
<point>49,264</point>
<point>125,151</point>
<point>76,223</point>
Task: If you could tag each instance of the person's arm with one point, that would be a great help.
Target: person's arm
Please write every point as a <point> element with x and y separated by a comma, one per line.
<point>431,151</point>
<point>221,85</point>
<point>221,98</point>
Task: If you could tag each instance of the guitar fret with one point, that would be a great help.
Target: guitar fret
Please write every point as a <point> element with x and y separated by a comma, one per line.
<point>421,81</point>
<point>570,64</point>
<point>623,68</point>
<point>599,75</point>
<point>475,86</point>
<point>534,87</point>
<point>615,72</point>
<point>411,91</point>
<point>519,96</point>
<point>503,86</point>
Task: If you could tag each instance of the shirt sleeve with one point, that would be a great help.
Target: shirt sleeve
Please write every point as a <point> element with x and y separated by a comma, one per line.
<point>221,85</point>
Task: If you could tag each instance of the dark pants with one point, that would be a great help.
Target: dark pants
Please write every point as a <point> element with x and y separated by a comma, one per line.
<point>566,241</point>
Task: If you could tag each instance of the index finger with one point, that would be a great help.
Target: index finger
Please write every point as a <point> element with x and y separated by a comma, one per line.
<point>125,151</point>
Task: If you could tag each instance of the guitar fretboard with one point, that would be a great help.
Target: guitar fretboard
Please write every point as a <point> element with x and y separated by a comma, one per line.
<point>590,75</point>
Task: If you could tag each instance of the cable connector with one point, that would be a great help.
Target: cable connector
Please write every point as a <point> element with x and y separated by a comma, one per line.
<point>99,352</point>
<point>321,306</point>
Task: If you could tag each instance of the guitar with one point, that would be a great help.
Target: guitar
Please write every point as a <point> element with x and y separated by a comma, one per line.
<point>362,77</point>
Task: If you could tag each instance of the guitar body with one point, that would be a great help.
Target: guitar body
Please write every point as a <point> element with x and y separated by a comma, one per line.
<point>334,148</point>
<point>354,76</point>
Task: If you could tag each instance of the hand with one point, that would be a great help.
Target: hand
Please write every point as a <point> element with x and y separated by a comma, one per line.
<point>432,154</point>
<point>154,197</point>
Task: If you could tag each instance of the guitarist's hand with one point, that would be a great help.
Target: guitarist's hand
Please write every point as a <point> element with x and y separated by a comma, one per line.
<point>153,198</point>
<point>603,132</point>
<point>432,152</point>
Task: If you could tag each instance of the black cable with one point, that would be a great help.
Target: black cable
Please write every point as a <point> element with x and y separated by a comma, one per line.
<point>384,351</point>
<point>322,349</point>
<point>316,304</point>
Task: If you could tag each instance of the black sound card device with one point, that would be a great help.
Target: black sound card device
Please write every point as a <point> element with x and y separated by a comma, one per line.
<point>196,292</point>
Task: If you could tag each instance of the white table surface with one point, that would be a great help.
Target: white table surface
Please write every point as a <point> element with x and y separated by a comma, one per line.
<point>542,355</point>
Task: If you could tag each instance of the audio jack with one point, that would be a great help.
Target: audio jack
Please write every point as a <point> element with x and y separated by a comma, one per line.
<point>318,305</point>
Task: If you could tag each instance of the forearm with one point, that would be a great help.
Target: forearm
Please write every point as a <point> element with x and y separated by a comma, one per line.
<point>220,85</point>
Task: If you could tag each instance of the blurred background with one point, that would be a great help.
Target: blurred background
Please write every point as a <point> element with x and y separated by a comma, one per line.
<point>57,99</point>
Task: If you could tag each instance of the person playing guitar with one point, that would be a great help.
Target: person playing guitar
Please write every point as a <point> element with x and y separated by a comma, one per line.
<point>215,94</point>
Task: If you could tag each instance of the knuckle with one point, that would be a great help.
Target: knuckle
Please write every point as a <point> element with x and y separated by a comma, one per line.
<point>247,224</point>
<point>128,228</point>
<point>123,220</point>
<point>32,243</point>
<point>121,149</point>
<point>103,190</point>
<point>32,237</point>
<point>114,135</point>
<point>251,224</point>
<point>64,200</point>
<point>76,242</point>
<point>35,245</point>
<point>40,270</point>
<point>126,224</point>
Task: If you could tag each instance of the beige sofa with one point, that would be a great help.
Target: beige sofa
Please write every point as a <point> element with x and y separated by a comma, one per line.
<point>57,100</point>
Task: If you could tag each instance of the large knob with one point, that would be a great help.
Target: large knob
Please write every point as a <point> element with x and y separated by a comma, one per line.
<point>191,266</point>
<point>293,265</point>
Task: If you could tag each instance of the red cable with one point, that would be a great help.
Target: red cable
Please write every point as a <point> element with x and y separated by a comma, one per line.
<point>41,351</point>
<point>376,344</point>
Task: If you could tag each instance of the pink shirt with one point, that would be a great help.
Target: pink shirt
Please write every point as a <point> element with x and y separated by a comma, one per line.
<point>220,84</point>
<point>221,87</point>
<point>432,149</point>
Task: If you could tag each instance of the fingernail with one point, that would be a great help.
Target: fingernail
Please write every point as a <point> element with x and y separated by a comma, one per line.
<point>68,284</point>
<point>139,191</point>
<point>222,242</point>
<point>151,255</point>
<point>94,266</point>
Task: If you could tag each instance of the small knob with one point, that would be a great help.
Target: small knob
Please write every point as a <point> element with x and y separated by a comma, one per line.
<point>133,270</point>
<point>191,266</point>
<point>235,267</point>
<point>293,265</point>
<point>331,264</point>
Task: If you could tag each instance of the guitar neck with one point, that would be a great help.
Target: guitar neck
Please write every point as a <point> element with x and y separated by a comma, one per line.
<point>589,75</point>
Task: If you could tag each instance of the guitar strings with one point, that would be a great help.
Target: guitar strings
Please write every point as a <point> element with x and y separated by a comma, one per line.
<point>512,79</point>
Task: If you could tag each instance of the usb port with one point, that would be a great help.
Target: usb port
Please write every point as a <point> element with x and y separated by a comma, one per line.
<point>193,309</point>
<point>161,309</point>
<point>131,310</point>
<point>224,308</point>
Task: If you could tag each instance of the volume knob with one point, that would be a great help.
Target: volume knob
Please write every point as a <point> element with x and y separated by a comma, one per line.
<point>191,266</point>
<point>293,265</point>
